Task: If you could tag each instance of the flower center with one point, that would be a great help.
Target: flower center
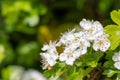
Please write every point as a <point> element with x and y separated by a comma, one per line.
<point>82,46</point>
<point>75,39</point>
<point>70,54</point>
<point>100,43</point>
<point>90,30</point>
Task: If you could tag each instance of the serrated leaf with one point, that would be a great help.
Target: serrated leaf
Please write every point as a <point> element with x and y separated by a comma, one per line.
<point>115,15</point>
<point>109,64</point>
<point>92,59</point>
<point>112,29</point>
<point>114,32</point>
<point>115,41</point>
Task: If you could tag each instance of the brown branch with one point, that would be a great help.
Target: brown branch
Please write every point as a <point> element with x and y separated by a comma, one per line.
<point>96,74</point>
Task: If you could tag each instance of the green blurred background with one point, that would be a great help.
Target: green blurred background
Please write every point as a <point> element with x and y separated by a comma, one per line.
<point>25,25</point>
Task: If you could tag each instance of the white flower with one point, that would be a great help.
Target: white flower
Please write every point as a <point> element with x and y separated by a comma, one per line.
<point>66,38</point>
<point>74,51</point>
<point>47,60</point>
<point>33,75</point>
<point>68,56</point>
<point>49,56</point>
<point>75,44</point>
<point>116,59</point>
<point>78,42</point>
<point>81,45</point>
<point>101,43</point>
<point>85,24</point>
<point>117,65</point>
<point>91,29</point>
<point>71,37</point>
<point>51,49</point>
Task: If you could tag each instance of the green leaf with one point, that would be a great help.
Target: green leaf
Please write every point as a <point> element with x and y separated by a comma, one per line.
<point>109,73</point>
<point>109,64</point>
<point>48,73</point>
<point>114,32</point>
<point>115,15</point>
<point>73,76</point>
<point>57,74</point>
<point>118,77</point>
<point>109,55</point>
<point>115,41</point>
<point>93,58</point>
<point>112,29</point>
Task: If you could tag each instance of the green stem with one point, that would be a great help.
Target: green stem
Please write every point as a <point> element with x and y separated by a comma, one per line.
<point>91,48</point>
<point>118,77</point>
<point>57,74</point>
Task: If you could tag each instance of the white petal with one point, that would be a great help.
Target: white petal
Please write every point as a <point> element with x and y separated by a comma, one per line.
<point>52,62</point>
<point>83,51</point>
<point>62,57</point>
<point>45,47</point>
<point>116,57</point>
<point>70,61</point>
<point>98,25</point>
<point>117,65</point>
<point>85,24</point>
<point>77,53</point>
<point>95,46</point>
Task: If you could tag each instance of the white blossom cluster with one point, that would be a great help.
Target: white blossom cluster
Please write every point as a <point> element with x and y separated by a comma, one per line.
<point>50,55</point>
<point>19,73</point>
<point>116,59</point>
<point>75,44</point>
<point>33,75</point>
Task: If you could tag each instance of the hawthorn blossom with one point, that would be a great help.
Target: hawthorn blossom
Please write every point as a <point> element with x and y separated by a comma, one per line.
<point>51,49</point>
<point>75,44</point>
<point>84,44</point>
<point>79,42</point>
<point>70,37</point>
<point>116,59</point>
<point>117,65</point>
<point>101,43</point>
<point>85,24</point>
<point>91,29</point>
<point>66,38</point>
<point>74,51</point>
<point>47,60</point>
<point>50,55</point>
<point>68,56</point>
